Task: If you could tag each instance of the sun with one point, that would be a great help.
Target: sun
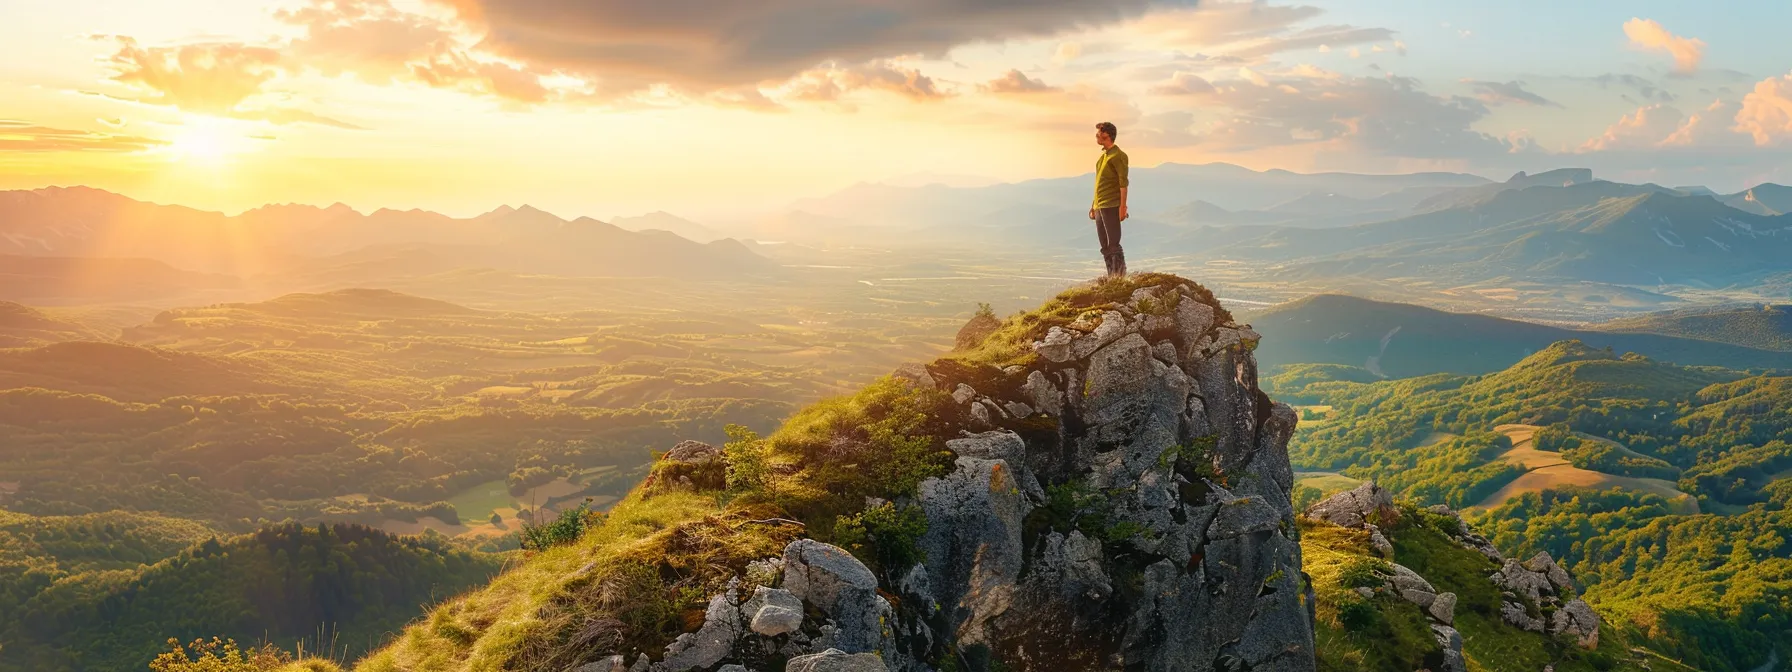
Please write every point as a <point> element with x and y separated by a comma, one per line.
<point>207,142</point>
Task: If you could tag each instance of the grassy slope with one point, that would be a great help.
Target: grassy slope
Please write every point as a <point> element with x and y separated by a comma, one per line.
<point>1399,636</point>
<point>531,616</point>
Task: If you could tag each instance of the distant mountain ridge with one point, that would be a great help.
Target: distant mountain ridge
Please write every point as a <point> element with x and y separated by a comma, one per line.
<point>1399,340</point>
<point>87,222</point>
<point>1594,231</point>
<point>1154,189</point>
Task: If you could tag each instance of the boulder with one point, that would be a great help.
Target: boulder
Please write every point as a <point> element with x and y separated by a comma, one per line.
<point>1516,578</point>
<point>916,374</point>
<point>1451,642</point>
<point>1577,618</point>
<point>1542,563</point>
<point>1043,395</point>
<point>773,620</point>
<point>1193,320</point>
<point>841,588</point>
<point>693,452</point>
<point>713,642</point>
<point>1367,504</point>
<point>1405,579</point>
<point>1514,614</point>
<point>774,612</point>
<point>1443,608</point>
<point>981,414</point>
<point>1055,347</point>
<point>1380,544</point>
<point>610,664</point>
<point>963,394</point>
<point>835,660</point>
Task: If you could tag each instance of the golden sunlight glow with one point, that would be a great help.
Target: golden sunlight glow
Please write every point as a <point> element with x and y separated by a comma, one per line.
<point>207,141</point>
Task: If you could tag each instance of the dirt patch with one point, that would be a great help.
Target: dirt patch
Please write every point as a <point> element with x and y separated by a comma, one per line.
<point>1549,470</point>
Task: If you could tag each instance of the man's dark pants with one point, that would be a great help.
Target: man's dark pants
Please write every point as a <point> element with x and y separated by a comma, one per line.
<point>1107,227</point>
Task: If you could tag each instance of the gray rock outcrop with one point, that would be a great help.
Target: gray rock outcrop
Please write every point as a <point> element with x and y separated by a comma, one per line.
<point>1368,504</point>
<point>1539,595</point>
<point>1121,500</point>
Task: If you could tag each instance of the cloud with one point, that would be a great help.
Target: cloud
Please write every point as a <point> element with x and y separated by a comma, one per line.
<point>457,70</point>
<point>1657,127</point>
<point>210,78</point>
<point>1649,90</point>
<point>1646,127</point>
<point>1165,129</point>
<point>830,83</point>
<point>23,136</point>
<point>1251,29</point>
<point>1067,52</point>
<point>368,38</point>
<point>1766,113</point>
<point>1501,93</point>
<point>1072,109</point>
<point>1388,116</point>
<point>1649,35</point>
<point>1015,81</point>
<point>1183,84</point>
<point>627,45</point>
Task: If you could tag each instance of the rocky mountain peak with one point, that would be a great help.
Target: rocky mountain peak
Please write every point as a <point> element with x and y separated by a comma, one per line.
<point>1098,484</point>
<point>1118,498</point>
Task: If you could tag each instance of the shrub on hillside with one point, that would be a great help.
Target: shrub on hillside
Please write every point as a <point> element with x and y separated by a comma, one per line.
<point>564,529</point>
<point>883,536</point>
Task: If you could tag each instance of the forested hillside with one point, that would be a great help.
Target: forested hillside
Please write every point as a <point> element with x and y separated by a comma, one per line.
<point>338,588</point>
<point>1662,487</point>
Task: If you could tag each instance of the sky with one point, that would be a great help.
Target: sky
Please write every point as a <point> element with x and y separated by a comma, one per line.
<point>619,107</point>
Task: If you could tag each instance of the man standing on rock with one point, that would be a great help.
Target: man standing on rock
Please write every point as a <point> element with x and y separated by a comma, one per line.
<point>1109,207</point>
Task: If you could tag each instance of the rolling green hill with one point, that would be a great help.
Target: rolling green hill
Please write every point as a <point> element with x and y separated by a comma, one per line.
<point>1399,340</point>
<point>1760,326</point>
<point>1710,596</point>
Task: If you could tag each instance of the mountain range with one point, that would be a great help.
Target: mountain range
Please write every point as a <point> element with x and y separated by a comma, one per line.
<point>1591,231</point>
<point>86,223</point>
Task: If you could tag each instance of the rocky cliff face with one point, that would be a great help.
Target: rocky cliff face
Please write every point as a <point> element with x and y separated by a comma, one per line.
<point>1118,499</point>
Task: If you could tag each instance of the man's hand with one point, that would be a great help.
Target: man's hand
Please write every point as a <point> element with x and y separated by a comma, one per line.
<point>1122,213</point>
<point>1091,213</point>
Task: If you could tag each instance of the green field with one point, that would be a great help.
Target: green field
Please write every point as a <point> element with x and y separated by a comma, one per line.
<point>477,503</point>
<point>1326,482</point>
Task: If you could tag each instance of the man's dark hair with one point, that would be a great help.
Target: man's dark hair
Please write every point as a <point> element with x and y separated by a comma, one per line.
<point>1108,128</point>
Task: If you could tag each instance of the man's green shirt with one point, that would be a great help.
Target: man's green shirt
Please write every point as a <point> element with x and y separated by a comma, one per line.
<point>1110,177</point>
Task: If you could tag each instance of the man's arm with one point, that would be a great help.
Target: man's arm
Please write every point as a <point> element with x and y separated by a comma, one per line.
<point>1125,183</point>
